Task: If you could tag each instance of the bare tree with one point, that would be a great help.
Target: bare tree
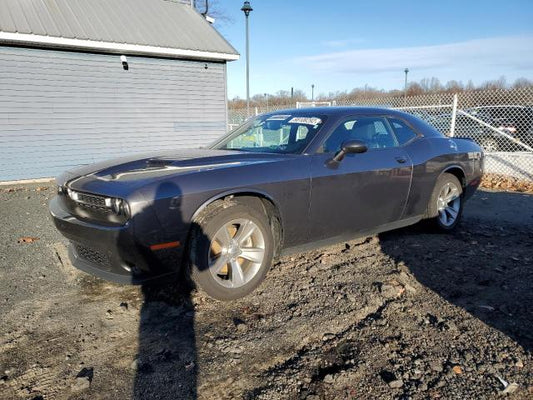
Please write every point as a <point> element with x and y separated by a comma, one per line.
<point>214,9</point>
<point>425,86</point>
<point>500,83</point>
<point>521,83</point>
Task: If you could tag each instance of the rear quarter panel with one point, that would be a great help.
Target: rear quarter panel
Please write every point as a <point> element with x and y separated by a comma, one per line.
<point>433,156</point>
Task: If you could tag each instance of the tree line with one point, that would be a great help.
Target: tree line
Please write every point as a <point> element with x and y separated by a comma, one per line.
<point>424,86</point>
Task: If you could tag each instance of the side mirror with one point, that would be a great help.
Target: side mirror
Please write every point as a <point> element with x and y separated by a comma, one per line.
<point>350,147</point>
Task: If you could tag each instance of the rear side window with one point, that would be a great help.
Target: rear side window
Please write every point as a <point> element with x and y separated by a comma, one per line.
<point>404,133</point>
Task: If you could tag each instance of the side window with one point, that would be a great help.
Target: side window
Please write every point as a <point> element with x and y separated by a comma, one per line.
<point>373,131</point>
<point>403,132</point>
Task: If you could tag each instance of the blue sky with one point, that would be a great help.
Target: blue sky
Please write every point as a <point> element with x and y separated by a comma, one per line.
<point>342,44</point>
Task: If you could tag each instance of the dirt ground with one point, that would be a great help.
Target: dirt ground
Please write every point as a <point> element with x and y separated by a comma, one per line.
<point>407,314</point>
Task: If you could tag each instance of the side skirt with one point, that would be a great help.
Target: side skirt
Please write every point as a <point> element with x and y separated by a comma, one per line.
<point>350,236</point>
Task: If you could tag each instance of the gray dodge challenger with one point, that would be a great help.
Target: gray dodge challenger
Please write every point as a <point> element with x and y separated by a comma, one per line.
<point>283,182</point>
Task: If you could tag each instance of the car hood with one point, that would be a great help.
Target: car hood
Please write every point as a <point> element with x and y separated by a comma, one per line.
<point>135,171</point>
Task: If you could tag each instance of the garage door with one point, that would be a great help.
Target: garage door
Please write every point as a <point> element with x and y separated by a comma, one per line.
<point>61,109</point>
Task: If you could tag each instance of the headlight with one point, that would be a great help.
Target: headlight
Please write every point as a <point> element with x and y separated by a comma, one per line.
<point>116,205</point>
<point>120,207</point>
<point>72,194</point>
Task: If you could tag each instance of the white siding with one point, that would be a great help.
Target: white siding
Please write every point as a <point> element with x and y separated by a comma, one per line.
<point>63,109</point>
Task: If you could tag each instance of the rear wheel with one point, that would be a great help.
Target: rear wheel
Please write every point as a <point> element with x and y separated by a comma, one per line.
<point>445,207</point>
<point>232,249</point>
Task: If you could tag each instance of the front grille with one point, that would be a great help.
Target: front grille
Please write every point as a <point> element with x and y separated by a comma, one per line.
<point>91,199</point>
<point>93,256</point>
<point>96,208</point>
<point>104,209</point>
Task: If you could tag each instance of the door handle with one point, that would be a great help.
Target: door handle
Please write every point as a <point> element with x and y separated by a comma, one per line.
<point>401,160</point>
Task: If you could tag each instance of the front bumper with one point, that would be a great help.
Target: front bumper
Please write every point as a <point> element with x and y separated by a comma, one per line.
<point>113,253</point>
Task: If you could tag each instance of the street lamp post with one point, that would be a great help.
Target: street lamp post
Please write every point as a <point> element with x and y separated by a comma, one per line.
<point>247,9</point>
<point>405,84</point>
<point>313,92</point>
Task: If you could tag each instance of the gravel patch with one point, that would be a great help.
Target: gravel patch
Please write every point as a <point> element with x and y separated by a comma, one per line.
<point>406,314</point>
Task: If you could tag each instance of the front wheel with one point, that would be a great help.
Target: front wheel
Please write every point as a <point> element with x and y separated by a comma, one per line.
<point>232,250</point>
<point>445,207</point>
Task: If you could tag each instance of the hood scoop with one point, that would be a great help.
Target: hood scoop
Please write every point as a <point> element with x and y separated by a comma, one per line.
<point>159,167</point>
<point>142,169</point>
<point>158,162</point>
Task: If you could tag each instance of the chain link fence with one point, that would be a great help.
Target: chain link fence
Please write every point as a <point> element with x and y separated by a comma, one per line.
<point>501,121</point>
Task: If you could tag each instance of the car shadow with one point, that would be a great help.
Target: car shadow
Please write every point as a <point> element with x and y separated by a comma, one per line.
<point>166,364</point>
<point>485,266</point>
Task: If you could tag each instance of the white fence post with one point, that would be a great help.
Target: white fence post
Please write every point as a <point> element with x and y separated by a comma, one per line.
<point>454,114</point>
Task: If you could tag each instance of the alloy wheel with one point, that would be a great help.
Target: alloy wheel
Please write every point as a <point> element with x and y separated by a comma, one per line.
<point>236,253</point>
<point>449,204</point>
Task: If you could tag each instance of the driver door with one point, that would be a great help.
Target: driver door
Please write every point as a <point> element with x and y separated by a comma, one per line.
<point>363,191</point>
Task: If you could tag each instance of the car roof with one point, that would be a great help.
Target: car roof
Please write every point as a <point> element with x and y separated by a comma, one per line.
<point>339,110</point>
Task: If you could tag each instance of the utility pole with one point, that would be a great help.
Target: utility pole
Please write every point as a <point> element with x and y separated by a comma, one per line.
<point>247,9</point>
<point>405,85</point>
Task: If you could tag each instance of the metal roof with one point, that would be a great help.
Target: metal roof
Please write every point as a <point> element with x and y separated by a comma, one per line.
<point>153,27</point>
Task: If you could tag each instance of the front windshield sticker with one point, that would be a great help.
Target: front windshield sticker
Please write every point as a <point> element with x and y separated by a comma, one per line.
<point>278,117</point>
<point>305,120</point>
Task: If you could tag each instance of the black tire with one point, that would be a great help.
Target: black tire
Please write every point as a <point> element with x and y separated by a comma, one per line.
<point>435,220</point>
<point>206,226</point>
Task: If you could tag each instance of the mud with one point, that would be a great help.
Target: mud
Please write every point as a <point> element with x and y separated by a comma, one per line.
<point>406,314</point>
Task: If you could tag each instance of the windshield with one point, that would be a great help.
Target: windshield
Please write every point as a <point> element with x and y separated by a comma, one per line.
<point>278,133</point>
